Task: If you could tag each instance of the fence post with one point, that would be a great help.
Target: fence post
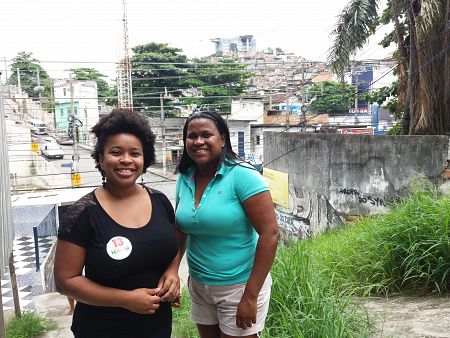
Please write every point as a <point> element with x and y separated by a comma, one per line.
<point>36,247</point>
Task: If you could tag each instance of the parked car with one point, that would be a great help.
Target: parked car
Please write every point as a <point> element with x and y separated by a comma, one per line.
<point>63,138</point>
<point>65,141</point>
<point>46,139</point>
<point>52,150</point>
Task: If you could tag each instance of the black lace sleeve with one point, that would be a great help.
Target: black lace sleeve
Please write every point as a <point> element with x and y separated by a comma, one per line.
<point>74,226</point>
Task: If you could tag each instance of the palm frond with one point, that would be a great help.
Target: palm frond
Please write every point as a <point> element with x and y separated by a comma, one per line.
<point>429,16</point>
<point>355,24</point>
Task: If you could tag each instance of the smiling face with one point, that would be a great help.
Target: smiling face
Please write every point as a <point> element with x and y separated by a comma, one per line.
<point>123,159</point>
<point>204,143</point>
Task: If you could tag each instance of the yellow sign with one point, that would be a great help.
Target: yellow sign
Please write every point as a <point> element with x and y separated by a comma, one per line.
<point>278,185</point>
<point>35,147</point>
<point>76,180</point>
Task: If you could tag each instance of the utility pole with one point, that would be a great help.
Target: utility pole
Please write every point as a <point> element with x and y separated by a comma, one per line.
<point>6,74</point>
<point>73,123</point>
<point>163,134</point>
<point>52,103</point>
<point>18,80</point>
<point>39,89</point>
<point>86,131</point>
<point>287,100</point>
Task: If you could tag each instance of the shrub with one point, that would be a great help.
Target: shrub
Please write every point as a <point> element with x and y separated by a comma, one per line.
<point>28,325</point>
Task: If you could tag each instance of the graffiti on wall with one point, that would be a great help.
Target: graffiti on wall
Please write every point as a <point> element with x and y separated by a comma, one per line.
<point>309,213</point>
<point>292,224</point>
<point>364,198</point>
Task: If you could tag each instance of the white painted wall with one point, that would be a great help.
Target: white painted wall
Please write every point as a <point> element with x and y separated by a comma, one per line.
<point>247,110</point>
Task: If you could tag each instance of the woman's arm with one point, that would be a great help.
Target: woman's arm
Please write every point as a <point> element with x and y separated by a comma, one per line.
<point>169,283</point>
<point>69,263</point>
<point>259,209</point>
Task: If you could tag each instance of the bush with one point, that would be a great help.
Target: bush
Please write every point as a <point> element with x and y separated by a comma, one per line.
<point>28,326</point>
<point>395,130</point>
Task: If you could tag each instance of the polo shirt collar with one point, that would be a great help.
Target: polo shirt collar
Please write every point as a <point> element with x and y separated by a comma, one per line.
<point>222,172</point>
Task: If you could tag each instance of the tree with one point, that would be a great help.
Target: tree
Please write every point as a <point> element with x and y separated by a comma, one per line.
<point>163,72</point>
<point>156,68</point>
<point>31,75</point>
<point>423,58</point>
<point>386,95</point>
<point>103,89</point>
<point>217,83</point>
<point>331,97</point>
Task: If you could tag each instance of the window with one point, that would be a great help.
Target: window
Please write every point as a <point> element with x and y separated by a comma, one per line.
<point>62,111</point>
<point>241,144</point>
<point>258,140</point>
<point>64,91</point>
<point>75,110</point>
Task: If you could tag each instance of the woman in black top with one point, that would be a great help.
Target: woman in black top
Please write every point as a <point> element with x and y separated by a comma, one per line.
<point>122,234</point>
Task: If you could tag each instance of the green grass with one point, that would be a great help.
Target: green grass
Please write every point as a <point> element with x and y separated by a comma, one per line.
<point>183,326</point>
<point>303,304</point>
<point>28,325</point>
<point>407,249</point>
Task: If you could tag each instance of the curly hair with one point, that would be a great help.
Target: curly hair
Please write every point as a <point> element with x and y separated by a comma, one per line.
<point>124,121</point>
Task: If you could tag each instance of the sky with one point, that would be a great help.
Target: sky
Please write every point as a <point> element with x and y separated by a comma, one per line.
<point>88,33</point>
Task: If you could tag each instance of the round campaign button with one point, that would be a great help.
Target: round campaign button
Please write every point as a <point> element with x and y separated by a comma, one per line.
<point>119,248</point>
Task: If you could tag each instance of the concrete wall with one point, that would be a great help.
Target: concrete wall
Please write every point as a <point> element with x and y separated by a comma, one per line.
<point>332,176</point>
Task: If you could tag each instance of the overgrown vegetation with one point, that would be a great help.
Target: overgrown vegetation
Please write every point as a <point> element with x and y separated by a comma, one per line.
<point>28,325</point>
<point>406,249</point>
<point>318,282</point>
<point>303,304</point>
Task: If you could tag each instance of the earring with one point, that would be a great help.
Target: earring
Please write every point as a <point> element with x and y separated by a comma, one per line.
<point>103,179</point>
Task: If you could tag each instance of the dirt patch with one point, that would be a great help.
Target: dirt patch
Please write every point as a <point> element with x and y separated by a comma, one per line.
<point>410,316</point>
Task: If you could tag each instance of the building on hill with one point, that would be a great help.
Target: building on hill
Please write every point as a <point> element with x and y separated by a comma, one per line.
<point>231,46</point>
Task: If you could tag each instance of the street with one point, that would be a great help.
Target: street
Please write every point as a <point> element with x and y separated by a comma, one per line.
<point>58,173</point>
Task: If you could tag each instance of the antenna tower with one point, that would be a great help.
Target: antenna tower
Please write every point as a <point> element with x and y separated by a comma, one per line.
<point>124,88</point>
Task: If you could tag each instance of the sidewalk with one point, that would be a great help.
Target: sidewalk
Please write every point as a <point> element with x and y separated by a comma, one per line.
<point>54,306</point>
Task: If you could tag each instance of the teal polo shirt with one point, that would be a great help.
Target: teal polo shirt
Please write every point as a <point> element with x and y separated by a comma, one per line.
<point>221,241</point>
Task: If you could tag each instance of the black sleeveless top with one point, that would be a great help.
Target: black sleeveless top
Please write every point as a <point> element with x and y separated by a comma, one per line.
<point>122,258</point>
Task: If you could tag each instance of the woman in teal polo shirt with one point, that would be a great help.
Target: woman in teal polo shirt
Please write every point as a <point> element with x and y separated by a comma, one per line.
<point>225,211</point>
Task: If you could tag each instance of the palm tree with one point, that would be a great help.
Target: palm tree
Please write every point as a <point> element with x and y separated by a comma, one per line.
<point>421,32</point>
